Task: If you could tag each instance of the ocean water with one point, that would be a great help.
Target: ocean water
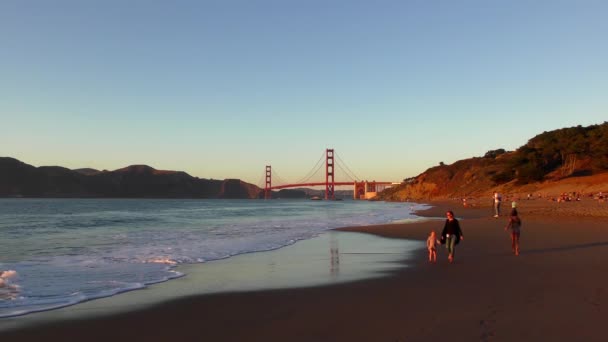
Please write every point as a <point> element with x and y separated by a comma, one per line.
<point>66,251</point>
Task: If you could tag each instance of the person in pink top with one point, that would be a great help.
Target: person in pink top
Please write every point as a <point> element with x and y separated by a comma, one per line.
<point>514,224</point>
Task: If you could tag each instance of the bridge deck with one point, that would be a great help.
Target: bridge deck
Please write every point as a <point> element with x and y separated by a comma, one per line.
<point>284,186</point>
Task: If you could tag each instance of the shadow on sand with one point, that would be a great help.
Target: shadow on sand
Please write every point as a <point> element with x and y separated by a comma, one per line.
<point>565,248</point>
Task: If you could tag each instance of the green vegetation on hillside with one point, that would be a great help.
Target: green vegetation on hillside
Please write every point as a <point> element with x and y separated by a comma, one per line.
<point>571,151</point>
<point>549,156</point>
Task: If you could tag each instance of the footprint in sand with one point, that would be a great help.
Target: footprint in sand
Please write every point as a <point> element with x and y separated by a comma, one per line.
<point>595,300</point>
<point>486,325</point>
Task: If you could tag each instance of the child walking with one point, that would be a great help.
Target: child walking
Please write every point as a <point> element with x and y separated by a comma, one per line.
<point>515,225</point>
<point>431,245</point>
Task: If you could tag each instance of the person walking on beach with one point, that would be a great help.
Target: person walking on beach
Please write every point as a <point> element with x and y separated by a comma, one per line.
<point>513,209</point>
<point>514,224</point>
<point>431,245</point>
<point>497,199</point>
<point>451,234</point>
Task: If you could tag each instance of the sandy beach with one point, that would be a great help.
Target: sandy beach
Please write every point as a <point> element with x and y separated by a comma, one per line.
<point>554,291</point>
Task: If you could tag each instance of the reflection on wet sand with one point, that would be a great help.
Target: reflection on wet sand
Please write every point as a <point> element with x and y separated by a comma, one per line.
<point>353,256</point>
<point>334,251</point>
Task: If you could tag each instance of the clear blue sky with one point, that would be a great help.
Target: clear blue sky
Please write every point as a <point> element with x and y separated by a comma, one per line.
<point>222,88</point>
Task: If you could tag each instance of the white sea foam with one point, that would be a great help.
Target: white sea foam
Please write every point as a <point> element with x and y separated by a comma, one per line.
<point>161,260</point>
<point>8,289</point>
<point>69,251</point>
<point>4,275</point>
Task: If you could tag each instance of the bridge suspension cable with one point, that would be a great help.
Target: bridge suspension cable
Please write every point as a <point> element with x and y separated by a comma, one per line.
<point>313,171</point>
<point>260,182</point>
<point>350,173</point>
<point>275,176</point>
<point>345,172</point>
<point>360,188</point>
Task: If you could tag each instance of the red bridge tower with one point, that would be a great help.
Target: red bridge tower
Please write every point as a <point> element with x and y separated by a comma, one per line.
<point>329,174</point>
<point>267,191</point>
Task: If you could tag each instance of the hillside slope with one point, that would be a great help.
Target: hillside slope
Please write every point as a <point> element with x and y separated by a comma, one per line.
<point>564,160</point>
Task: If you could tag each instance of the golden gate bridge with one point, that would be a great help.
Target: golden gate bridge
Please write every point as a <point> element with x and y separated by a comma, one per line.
<point>362,189</point>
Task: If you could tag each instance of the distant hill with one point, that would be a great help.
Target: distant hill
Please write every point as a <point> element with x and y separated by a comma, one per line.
<point>288,193</point>
<point>18,179</point>
<point>321,193</point>
<point>87,171</point>
<point>574,158</point>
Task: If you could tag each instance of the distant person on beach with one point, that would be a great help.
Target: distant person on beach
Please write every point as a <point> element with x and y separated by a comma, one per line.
<point>451,234</point>
<point>514,224</point>
<point>513,209</point>
<point>431,245</point>
<point>497,199</point>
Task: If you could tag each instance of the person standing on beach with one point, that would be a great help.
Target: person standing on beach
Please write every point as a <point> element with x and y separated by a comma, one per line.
<point>451,234</point>
<point>514,224</point>
<point>497,200</point>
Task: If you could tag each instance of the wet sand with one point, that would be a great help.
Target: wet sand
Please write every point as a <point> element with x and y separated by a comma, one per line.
<point>555,291</point>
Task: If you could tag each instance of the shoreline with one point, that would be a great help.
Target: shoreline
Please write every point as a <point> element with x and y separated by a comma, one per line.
<point>128,259</point>
<point>333,257</point>
<point>555,290</point>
